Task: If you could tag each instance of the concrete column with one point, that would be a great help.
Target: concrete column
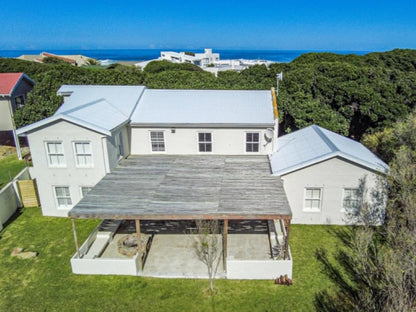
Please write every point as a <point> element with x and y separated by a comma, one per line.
<point>139,243</point>
<point>74,231</point>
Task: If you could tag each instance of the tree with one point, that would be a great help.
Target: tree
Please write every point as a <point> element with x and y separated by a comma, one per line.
<point>376,268</point>
<point>208,247</point>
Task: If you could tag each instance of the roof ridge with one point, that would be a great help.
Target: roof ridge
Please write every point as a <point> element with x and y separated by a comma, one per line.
<point>92,103</point>
<point>324,138</point>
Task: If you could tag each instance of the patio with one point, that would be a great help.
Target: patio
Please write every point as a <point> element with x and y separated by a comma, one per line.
<point>160,194</point>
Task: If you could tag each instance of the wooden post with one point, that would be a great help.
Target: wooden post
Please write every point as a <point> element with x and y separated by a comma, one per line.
<point>139,243</point>
<point>224,242</point>
<point>287,228</point>
<point>74,231</point>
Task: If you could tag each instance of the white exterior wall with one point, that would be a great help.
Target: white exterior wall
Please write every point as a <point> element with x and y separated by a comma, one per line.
<point>332,176</point>
<point>185,141</point>
<point>69,175</point>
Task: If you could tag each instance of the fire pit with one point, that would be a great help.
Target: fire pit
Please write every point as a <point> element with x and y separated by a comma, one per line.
<point>128,246</point>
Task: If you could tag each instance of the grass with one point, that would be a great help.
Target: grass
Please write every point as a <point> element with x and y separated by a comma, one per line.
<point>10,166</point>
<point>45,283</point>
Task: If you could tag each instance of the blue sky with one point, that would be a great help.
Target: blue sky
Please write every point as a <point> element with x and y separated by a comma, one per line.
<point>300,25</point>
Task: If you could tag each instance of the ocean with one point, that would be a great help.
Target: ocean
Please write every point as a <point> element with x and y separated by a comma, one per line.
<point>282,56</point>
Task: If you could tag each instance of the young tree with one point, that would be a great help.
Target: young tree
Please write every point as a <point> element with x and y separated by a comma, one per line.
<point>208,246</point>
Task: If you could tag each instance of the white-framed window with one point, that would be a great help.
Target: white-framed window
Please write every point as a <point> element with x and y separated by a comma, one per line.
<point>252,141</point>
<point>55,154</point>
<point>205,142</point>
<point>84,190</point>
<point>312,199</point>
<point>62,197</point>
<point>157,140</point>
<point>83,154</point>
<point>351,199</point>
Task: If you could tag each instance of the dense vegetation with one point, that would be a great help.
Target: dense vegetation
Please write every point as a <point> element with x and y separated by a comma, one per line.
<point>376,268</point>
<point>348,94</point>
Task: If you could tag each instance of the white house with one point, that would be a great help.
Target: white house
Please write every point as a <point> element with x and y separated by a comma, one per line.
<point>324,175</point>
<point>200,59</point>
<point>139,158</point>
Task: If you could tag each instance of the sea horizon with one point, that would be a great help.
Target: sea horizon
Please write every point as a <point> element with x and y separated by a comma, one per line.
<point>281,56</point>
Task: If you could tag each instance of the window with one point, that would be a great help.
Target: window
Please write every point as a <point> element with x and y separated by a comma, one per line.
<point>312,199</point>
<point>83,154</point>
<point>157,141</point>
<point>20,101</point>
<point>63,197</point>
<point>55,154</point>
<point>205,142</point>
<point>85,190</point>
<point>252,141</point>
<point>351,200</point>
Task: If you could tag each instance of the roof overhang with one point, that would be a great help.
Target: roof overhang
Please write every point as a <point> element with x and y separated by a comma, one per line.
<point>168,187</point>
<point>202,125</point>
<point>331,155</point>
<point>32,127</point>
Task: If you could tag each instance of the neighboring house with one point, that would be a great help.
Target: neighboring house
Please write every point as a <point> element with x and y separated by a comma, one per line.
<point>96,126</point>
<point>77,59</point>
<point>14,88</point>
<point>324,175</point>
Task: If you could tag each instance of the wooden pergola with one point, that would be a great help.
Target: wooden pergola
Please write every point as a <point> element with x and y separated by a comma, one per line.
<point>165,187</point>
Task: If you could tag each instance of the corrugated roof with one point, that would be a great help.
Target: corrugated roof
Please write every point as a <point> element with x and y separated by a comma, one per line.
<point>8,81</point>
<point>314,144</point>
<point>100,108</point>
<point>204,107</point>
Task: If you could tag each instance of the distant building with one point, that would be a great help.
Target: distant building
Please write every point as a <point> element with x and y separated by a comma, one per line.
<point>200,59</point>
<point>208,61</point>
<point>77,60</point>
<point>14,88</point>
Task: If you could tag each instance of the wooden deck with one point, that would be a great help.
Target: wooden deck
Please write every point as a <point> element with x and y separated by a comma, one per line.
<point>166,187</point>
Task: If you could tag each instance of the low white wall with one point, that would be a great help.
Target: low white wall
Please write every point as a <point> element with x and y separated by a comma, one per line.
<point>104,266</point>
<point>9,197</point>
<point>258,269</point>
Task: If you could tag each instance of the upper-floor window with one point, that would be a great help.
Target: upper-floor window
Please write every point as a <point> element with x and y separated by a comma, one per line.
<point>313,199</point>
<point>252,141</point>
<point>205,142</point>
<point>157,141</point>
<point>83,154</point>
<point>63,197</point>
<point>351,199</point>
<point>55,154</point>
<point>20,101</point>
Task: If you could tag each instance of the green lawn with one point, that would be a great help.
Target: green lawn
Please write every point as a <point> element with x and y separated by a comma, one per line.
<point>46,283</point>
<point>9,167</point>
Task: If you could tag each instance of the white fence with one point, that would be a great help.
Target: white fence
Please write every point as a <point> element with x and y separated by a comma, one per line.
<point>9,197</point>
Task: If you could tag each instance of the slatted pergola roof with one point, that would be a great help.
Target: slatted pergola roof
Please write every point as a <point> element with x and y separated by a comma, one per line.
<point>167,187</point>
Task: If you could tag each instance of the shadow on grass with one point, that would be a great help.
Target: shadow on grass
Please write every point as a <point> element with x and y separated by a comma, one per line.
<point>16,215</point>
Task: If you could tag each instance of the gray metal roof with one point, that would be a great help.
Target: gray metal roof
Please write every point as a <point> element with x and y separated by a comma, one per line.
<point>104,108</point>
<point>187,187</point>
<point>204,107</point>
<point>314,144</point>
<point>100,108</point>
